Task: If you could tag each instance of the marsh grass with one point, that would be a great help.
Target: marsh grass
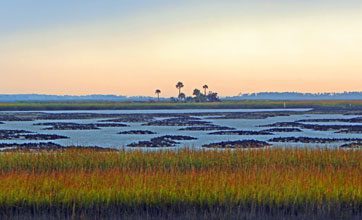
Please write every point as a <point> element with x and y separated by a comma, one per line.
<point>247,104</point>
<point>270,183</point>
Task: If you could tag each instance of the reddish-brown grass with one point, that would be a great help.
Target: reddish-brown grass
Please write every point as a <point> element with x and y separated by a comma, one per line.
<point>277,179</point>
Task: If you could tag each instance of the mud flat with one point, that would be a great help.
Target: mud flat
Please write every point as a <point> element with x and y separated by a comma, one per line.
<point>354,145</point>
<point>347,120</point>
<point>131,118</point>
<point>27,135</point>
<point>149,117</point>
<point>283,125</point>
<point>47,146</point>
<point>76,126</point>
<point>336,128</point>
<point>177,122</point>
<point>238,144</point>
<point>33,116</point>
<point>313,140</point>
<point>103,127</point>
<point>111,117</point>
<point>251,115</point>
<point>17,116</point>
<point>137,132</point>
<point>283,130</point>
<point>241,132</point>
<point>110,125</point>
<point>4,133</point>
<point>136,117</point>
<point>210,127</point>
<point>152,117</point>
<point>351,130</point>
<point>30,146</point>
<point>162,141</point>
<point>67,126</point>
<point>71,116</point>
<point>316,127</point>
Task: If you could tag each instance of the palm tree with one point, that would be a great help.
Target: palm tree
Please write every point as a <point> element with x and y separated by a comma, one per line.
<point>182,96</point>
<point>158,94</point>
<point>205,87</point>
<point>179,86</point>
<point>196,92</point>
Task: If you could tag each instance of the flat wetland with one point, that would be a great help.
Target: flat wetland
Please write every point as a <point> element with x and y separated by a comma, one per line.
<point>322,124</point>
<point>102,105</point>
<point>194,184</point>
<point>228,160</point>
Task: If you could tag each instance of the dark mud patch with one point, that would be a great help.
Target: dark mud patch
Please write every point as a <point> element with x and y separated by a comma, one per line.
<point>238,144</point>
<point>77,126</point>
<point>241,132</point>
<point>351,130</point>
<point>110,125</point>
<point>47,146</point>
<point>162,141</point>
<point>251,115</point>
<point>282,130</point>
<point>283,125</point>
<point>336,128</point>
<point>12,132</point>
<point>27,135</point>
<point>183,121</point>
<point>31,146</point>
<point>207,128</point>
<point>312,140</point>
<point>72,116</point>
<point>17,116</point>
<point>346,120</point>
<point>354,145</point>
<point>67,126</point>
<point>138,132</point>
<point>33,116</point>
<point>131,118</point>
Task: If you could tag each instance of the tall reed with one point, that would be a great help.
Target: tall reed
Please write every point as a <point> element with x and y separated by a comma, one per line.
<point>248,181</point>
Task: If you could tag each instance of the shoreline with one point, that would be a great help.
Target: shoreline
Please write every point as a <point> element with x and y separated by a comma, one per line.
<point>247,104</point>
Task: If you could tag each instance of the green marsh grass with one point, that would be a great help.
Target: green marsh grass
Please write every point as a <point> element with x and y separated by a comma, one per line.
<point>183,183</point>
<point>247,104</point>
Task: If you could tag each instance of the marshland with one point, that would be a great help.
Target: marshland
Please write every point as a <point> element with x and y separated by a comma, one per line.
<point>187,183</point>
<point>155,110</point>
<point>270,163</point>
<point>322,124</point>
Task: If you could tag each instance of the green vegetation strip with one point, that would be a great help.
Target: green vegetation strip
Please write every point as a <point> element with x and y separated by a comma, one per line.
<point>15,106</point>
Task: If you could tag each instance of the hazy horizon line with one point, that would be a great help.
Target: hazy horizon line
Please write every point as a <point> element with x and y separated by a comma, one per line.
<point>140,95</point>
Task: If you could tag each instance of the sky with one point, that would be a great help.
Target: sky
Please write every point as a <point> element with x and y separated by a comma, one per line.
<point>132,47</point>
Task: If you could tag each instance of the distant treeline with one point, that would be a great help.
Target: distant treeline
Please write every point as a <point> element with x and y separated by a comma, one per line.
<point>62,98</point>
<point>296,96</point>
<point>118,98</point>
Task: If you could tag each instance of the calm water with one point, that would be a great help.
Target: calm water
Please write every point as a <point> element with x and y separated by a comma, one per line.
<point>108,137</point>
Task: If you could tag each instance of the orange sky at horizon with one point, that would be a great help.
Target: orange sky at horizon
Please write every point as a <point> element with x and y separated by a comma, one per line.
<point>309,51</point>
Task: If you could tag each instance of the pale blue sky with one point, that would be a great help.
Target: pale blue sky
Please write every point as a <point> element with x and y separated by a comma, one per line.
<point>17,15</point>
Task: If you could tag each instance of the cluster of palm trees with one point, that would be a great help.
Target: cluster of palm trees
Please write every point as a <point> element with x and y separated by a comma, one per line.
<point>199,97</point>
